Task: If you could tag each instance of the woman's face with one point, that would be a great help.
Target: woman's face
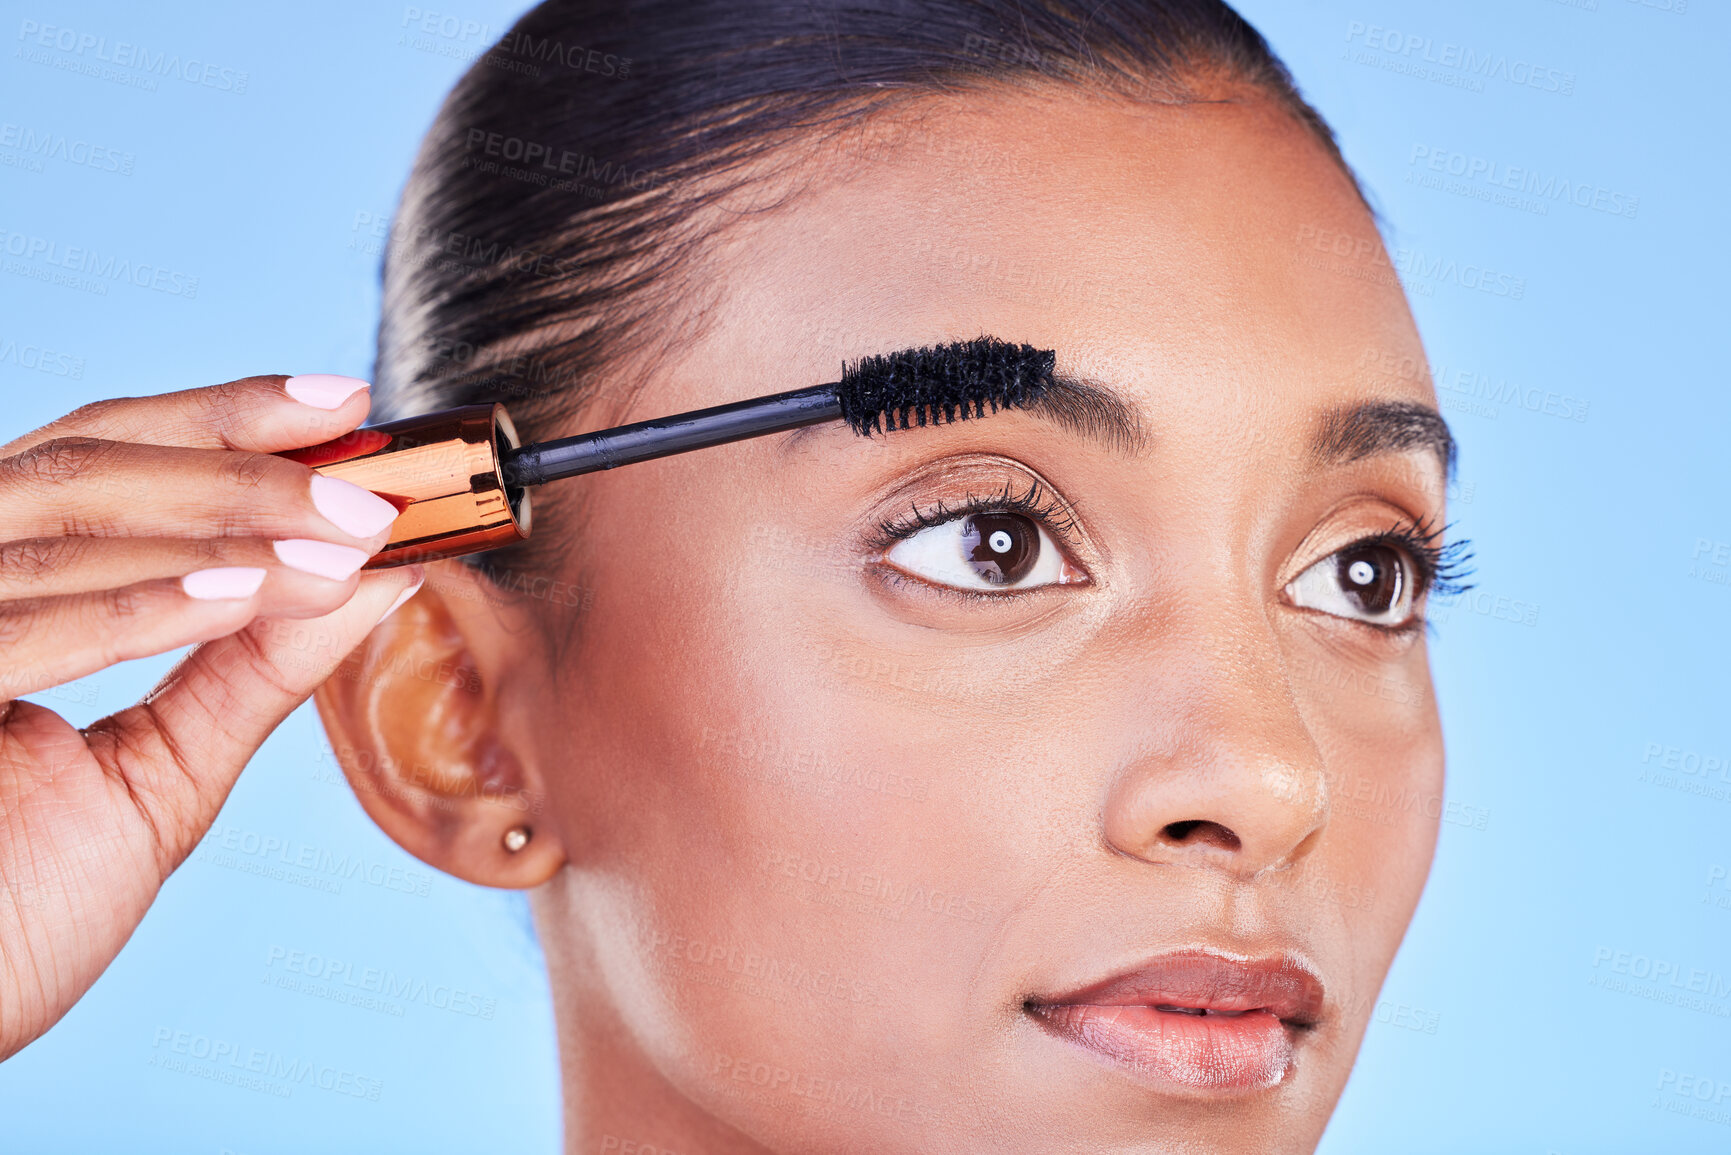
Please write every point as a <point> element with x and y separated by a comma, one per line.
<point>889,831</point>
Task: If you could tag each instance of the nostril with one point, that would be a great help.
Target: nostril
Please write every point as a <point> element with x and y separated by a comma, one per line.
<point>1200,832</point>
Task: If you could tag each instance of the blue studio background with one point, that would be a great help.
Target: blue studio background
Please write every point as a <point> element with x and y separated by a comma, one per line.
<point>1551,173</point>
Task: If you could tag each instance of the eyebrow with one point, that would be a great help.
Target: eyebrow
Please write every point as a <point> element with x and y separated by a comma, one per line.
<point>1094,412</point>
<point>1354,432</point>
<point>1346,434</point>
<point>1098,413</point>
<point>1086,408</point>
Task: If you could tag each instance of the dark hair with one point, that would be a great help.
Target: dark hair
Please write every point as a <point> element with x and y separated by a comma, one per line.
<point>572,174</point>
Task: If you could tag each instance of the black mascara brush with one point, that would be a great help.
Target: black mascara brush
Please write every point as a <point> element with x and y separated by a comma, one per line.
<point>462,481</point>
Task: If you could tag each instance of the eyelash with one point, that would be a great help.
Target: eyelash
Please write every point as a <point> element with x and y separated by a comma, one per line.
<point>1036,504</point>
<point>1443,567</point>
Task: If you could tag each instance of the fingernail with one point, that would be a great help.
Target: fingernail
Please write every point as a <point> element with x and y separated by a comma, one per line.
<point>404,596</point>
<point>355,511</point>
<point>323,390</point>
<point>326,559</point>
<point>229,581</point>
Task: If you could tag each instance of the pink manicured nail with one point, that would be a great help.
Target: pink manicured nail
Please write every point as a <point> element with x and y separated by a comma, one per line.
<point>323,390</point>
<point>404,596</point>
<point>327,560</point>
<point>355,511</point>
<point>229,581</point>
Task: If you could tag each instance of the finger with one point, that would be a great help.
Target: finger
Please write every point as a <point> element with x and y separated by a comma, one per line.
<point>85,487</point>
<point>47,567</point>
<point>265,414</point>
<point>50,641</point>
<point>180,750</point>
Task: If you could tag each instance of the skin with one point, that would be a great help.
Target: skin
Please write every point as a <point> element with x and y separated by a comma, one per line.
<point>729,691</point>
<point>1022,757</point>
<point>102,514</point>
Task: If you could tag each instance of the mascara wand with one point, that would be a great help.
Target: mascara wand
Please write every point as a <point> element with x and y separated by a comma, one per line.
<point>462,481</point>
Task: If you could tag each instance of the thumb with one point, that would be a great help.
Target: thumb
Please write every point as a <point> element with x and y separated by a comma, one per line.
<point>182,747</point>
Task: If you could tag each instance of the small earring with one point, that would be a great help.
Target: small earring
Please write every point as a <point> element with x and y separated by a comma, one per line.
<point>516,838</point>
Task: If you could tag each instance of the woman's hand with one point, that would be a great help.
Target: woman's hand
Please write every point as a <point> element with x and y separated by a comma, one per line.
<point>128,528</point>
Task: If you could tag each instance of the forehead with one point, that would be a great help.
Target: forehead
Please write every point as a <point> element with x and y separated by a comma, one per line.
<point>1162,249</point>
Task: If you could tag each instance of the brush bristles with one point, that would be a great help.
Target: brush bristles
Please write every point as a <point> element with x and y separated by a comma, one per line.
<point>942,383</point>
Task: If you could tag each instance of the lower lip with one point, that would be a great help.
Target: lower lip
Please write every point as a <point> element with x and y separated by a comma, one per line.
<point>1197,1052</point>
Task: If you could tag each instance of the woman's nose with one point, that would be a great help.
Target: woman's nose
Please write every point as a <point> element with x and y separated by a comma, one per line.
<point>1229,777</point>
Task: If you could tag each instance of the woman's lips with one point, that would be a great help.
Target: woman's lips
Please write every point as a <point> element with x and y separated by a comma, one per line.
<point>1196,1019</point>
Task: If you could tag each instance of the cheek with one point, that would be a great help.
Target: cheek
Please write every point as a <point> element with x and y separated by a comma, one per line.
<point>1382,750</point>
<point>1381,743</point>
<point>766,867</point>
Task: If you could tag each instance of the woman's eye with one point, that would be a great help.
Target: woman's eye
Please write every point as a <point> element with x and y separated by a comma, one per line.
<point>1369,582</point>
<point>984,551</point>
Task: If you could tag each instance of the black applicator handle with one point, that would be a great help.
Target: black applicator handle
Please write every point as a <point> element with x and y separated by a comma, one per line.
<point>699,429</point>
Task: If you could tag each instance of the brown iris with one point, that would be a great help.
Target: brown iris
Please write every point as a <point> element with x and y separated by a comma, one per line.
<point>1372,577</point>
<point>1002,547</point>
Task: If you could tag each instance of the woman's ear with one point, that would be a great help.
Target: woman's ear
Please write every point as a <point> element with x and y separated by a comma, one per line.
<point>414,719</point>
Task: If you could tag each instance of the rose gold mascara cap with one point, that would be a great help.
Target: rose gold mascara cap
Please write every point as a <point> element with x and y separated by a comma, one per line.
<point>443,471</point>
